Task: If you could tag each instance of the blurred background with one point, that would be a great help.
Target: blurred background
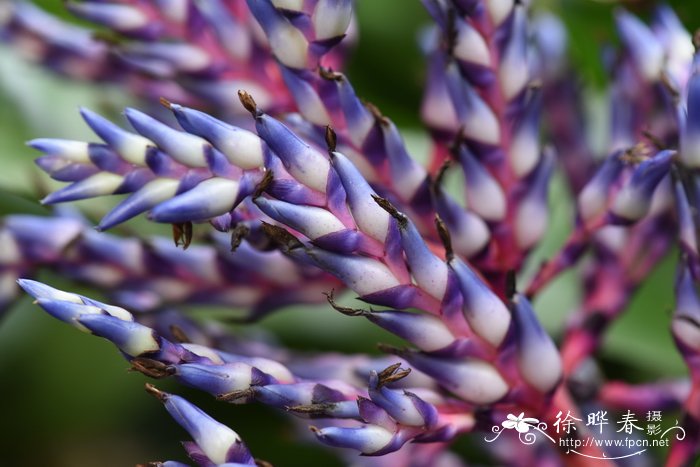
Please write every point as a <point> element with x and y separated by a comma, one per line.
<point>66,398</point>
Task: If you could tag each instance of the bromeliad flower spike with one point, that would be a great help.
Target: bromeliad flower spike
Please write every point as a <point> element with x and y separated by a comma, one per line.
<point>284,187</point>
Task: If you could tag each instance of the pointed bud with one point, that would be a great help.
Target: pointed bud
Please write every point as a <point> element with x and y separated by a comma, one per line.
<point>331,18</point>
<point>221,379</point>
<point>487,315</point>
<point>513,73</point>
<point>676,41</point>
<point>148,196</point>
<point>498,10</point>
<point>363,275</point>
<point>593,199</point>
<point>99,184</point>
<point>241,147</point>
<point>686,225</point>
<point>208,199</point>
<point>311,221</point>
<point>73,151</point>
<point>303,162</point>
<point>310,104</point>
<point>368,439</point>
<point>217,441</point>
<point>437,109</point>
<point>265,365</point>
<point>633,200</point>
<point>532,216</point>
<point>428,333</point>
<point>524,151</point>
<point>370,218</point>
<point>68,312</point>
<point>690,133</point>
<point>686,316</point>
<point>183,147</point>
<point>39,291</point>
<point>403,406</point>
<point>470,234</point>
<point>132,338</point>
<point>130,146</point>
<point>474,380</point>
<point>470,45</point>
<point>429,271</point>
<point>288,44</point>
<point>641,44</point>
<point>476,117</point>
<point>407,175</point>
<point>289,5</point>
<point>484,194</point>
<point>538,358</point>
<point>359,119</point>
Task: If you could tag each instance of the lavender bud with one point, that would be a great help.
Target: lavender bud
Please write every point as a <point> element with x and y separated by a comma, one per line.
<point>132,338</point>
<point>241,147</point>
<point>532,215</point>
<point>640,42</point>
<point>99,184</point>
<point>499,10</point>
<point>221,379</point>
<point>469,232</point>
<point>403,406</point>
<point>363,275</point>
<point>593,199</point>
<point>43,291</point>
<point>487,315</point>
<point>524,151</point>
<point>690,133</point>
<point>218,442</point>
<point>408,176</point>
<point>686,317</point>
<point>472,379</point>
<point>310,104</point>
<point>370,218</point>
<point>470,45</point>
<point>513,74</point>
<point>303,162</point>
<point>677,43</point>
<point>686,225</point>
<point>183,147</point>
<point>429,271</point>
<point>288,44</point>
<point>368,439</point>
<point>484,194</point>
<point>130,146</point>
<point>476,117</point>
<point>633,201</point>
<point>298,394</point>
<point>538,358</point>
<point>208,199</point>
<point>73,151</point>
<point>427,332</point>
<point>311,221</point>
<point>147,197</point>
<point>331,18</point>
<point>69,312</point>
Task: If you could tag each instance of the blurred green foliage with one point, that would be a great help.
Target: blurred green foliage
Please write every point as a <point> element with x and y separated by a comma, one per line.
<point>67,399</point>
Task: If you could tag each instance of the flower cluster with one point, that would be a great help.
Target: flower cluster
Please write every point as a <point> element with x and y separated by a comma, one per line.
<point>281,184</point>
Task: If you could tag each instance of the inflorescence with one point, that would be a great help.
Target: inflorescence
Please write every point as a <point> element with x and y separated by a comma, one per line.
<point>283,185</point>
